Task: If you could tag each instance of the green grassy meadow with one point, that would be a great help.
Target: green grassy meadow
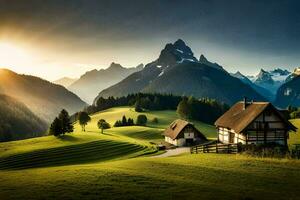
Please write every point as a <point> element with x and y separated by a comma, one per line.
<point>114,165</point>
<point>295,137</point>
<point>92,146</point>
<point>201,176</point>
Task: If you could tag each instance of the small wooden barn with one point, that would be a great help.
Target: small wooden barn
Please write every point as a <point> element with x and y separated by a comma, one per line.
<point>253,123</point>
<point>183,133</point>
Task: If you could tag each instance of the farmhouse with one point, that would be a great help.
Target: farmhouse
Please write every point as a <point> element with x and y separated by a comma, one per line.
<point>253,123</point>
<point>183,133</point>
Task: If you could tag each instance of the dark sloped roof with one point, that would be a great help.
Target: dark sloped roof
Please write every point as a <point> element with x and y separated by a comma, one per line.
<point>238,118</point>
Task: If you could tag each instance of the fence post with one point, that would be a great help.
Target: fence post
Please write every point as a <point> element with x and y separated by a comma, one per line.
<point>228,148</point>
<point>217,148</point>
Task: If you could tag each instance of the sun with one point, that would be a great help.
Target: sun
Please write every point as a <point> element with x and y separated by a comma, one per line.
<point>11,54</point>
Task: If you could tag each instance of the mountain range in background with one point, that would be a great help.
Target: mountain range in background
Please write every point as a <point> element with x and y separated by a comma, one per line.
<point>177,71</point>
<point>271,80</point>
<point>31,103</point>
<point>42,97</point>
<point>90,83</point>
<point>261,90</point>
<point>289,93</point>
<point>277,85</point>
<point>65,81</point>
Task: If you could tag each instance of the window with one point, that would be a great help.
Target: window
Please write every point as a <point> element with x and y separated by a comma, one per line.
<point>173,126</point>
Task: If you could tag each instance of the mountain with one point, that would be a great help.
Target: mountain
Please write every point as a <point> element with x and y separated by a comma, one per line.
<point>17,121</point>
<point>242,77</point>
<point>65,81</point>
<point>271,80</point>
<point>262,91</point>
<point>89,84</point>
<point>289,93</point>
<point>177,71</point>
<point>204,61</point>
<point>43,98</point>
<point>296,73</point>
<point>279,74</point>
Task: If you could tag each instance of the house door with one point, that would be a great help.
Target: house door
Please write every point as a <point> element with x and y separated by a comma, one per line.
<point>189,142</point>
<point>231,138</point>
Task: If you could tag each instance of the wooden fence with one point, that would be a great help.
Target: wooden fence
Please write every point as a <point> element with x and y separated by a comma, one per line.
<point>215,148</point>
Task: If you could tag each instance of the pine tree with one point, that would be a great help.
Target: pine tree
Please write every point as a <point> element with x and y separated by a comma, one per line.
<point>124,121</point>
<point>130,122</point>
<point>67,126</point>
<point>56,127</point>
<point>183,109</point>
<point>138,106</point>
<point>118,123</point>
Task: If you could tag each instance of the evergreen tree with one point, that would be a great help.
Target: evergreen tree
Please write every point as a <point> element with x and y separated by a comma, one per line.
<point>118,123</point>
<point>102,124</point>
<point>56,128</point>
<point>83,119</point>
<point>145,103</point>
<point>183,109</point>
<point>138,106</point>
<point>67,126</point>
<point>130,122</point>
<point>124,121</point>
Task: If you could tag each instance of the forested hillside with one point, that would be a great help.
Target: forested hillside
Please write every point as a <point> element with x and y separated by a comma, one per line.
<point>43,98</point>
<point>17,121</point>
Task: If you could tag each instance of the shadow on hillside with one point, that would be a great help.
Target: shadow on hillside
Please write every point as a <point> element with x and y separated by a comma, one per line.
<point>68,138</point>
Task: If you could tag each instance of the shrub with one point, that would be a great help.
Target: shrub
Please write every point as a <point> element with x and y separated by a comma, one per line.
<point>141,120</point>
<point>155,120</point>
<point>295,114</point>
<point>272,150</point>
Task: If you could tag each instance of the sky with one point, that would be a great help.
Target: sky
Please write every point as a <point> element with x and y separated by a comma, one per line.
<point>54,38</point>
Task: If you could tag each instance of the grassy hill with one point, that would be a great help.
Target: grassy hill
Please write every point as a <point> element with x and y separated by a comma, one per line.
<point>201,176</point>
<point>73,167</point>
<point>92,146</point>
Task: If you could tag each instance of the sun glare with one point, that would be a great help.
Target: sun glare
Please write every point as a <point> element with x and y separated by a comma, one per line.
<point>11,55</point>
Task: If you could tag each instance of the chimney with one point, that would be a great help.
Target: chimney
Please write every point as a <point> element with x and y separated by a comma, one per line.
<point>245,103</point>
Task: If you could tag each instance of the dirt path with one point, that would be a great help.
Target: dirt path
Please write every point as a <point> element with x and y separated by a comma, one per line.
<point>173,152</point>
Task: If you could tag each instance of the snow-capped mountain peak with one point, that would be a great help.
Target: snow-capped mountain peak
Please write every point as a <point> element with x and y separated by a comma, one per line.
<point>177,52</point>
<point>264,77</point>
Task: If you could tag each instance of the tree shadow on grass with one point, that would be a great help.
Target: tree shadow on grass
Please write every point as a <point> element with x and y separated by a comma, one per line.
<point>70,138</point>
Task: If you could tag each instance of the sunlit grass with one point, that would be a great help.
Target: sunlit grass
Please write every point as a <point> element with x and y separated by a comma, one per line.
<point>201,176</point>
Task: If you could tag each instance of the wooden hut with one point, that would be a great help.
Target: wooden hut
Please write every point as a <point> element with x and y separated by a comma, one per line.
<point>253,123</point>
<point>183,133</point>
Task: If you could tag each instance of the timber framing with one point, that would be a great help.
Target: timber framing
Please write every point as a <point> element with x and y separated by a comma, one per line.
<point>253,123</point>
